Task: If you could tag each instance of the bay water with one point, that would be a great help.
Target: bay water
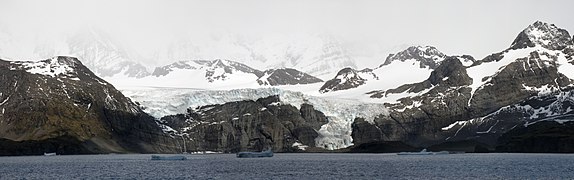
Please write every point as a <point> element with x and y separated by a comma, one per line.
<point>292,166</point>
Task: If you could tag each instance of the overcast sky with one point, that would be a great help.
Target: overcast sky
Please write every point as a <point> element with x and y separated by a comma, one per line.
<point>475,27</point>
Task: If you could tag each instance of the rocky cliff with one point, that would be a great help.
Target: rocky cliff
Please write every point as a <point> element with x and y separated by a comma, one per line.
<point>60,105</point>
<point>528,83</point>
<point>248,125</point>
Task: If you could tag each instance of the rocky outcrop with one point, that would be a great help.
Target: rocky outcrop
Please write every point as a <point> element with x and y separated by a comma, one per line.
<point>60,99</point>
<point>286,76</point>
<point>347,78</point>
<point>248,125</point>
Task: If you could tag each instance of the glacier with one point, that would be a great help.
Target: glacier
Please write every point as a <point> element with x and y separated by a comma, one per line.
<point>336,134</point>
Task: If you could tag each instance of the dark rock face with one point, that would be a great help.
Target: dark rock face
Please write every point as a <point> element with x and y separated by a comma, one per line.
<point>546,35</point>
<point>60,145</point>
<point>248,125</point>
<point>60,97</point>
<point>364,132</point>
<point>508,85</point>
<point>542,137</point>
<point>441,105</point>
<point>469,146</point>
<point>347,78</point>
<point>428,56</point>
<point>286,76</point>
<point>526,90</point>
<point>554,106</point>
<point>383,147</point>
<point>450,100</point>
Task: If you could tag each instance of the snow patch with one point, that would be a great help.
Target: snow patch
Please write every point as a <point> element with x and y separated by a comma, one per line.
<point>52,67</point>
<point>457,123</point>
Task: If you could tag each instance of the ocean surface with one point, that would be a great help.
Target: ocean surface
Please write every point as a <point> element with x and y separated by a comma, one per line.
<point>292,166</point>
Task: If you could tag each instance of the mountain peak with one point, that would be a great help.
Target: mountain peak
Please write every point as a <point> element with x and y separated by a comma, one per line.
<point>543,34</point>
<point>428,56</point>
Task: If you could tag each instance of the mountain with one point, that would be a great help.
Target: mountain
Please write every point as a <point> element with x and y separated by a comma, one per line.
<point>102,54</point>
<point>542,34</point>
<point>528,83</point>
<point>216,74</point>
<point>318,55</point>
<point>59,105</point>
<point>411,65</point>
<point>505,101</point>
<point>520,99</point>
<point>96,49</point>
<point>427,56</point>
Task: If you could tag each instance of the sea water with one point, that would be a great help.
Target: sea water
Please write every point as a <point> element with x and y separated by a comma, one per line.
<point>292,166</point>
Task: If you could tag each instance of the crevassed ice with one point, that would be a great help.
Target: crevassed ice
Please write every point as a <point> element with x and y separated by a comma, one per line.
<point>335,134</point>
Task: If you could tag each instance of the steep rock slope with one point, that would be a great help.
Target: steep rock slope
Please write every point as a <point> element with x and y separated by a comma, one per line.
<point>61,100</point>
<point>488,98</point>
<point>248,125</point>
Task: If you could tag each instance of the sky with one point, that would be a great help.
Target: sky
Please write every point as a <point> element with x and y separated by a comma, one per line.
<point>366,27</point>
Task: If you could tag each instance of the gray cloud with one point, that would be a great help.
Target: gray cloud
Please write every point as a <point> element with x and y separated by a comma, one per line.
<point>455,27</point>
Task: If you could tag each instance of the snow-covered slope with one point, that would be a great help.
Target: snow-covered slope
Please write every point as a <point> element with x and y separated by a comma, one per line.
<point>412,65</point>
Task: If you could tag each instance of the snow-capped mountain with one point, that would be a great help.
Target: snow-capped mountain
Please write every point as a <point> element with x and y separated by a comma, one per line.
<point>59,105</point>
<point>95,48</point>
<point>215,74</point>
<point>508,90</point>
<point>427,56</point>
<point>102,54</point>
<point>542,34</point>
<point>320,56</point>
<point>459,99</point>
<point>418,96</point>
<point>411,65</point>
